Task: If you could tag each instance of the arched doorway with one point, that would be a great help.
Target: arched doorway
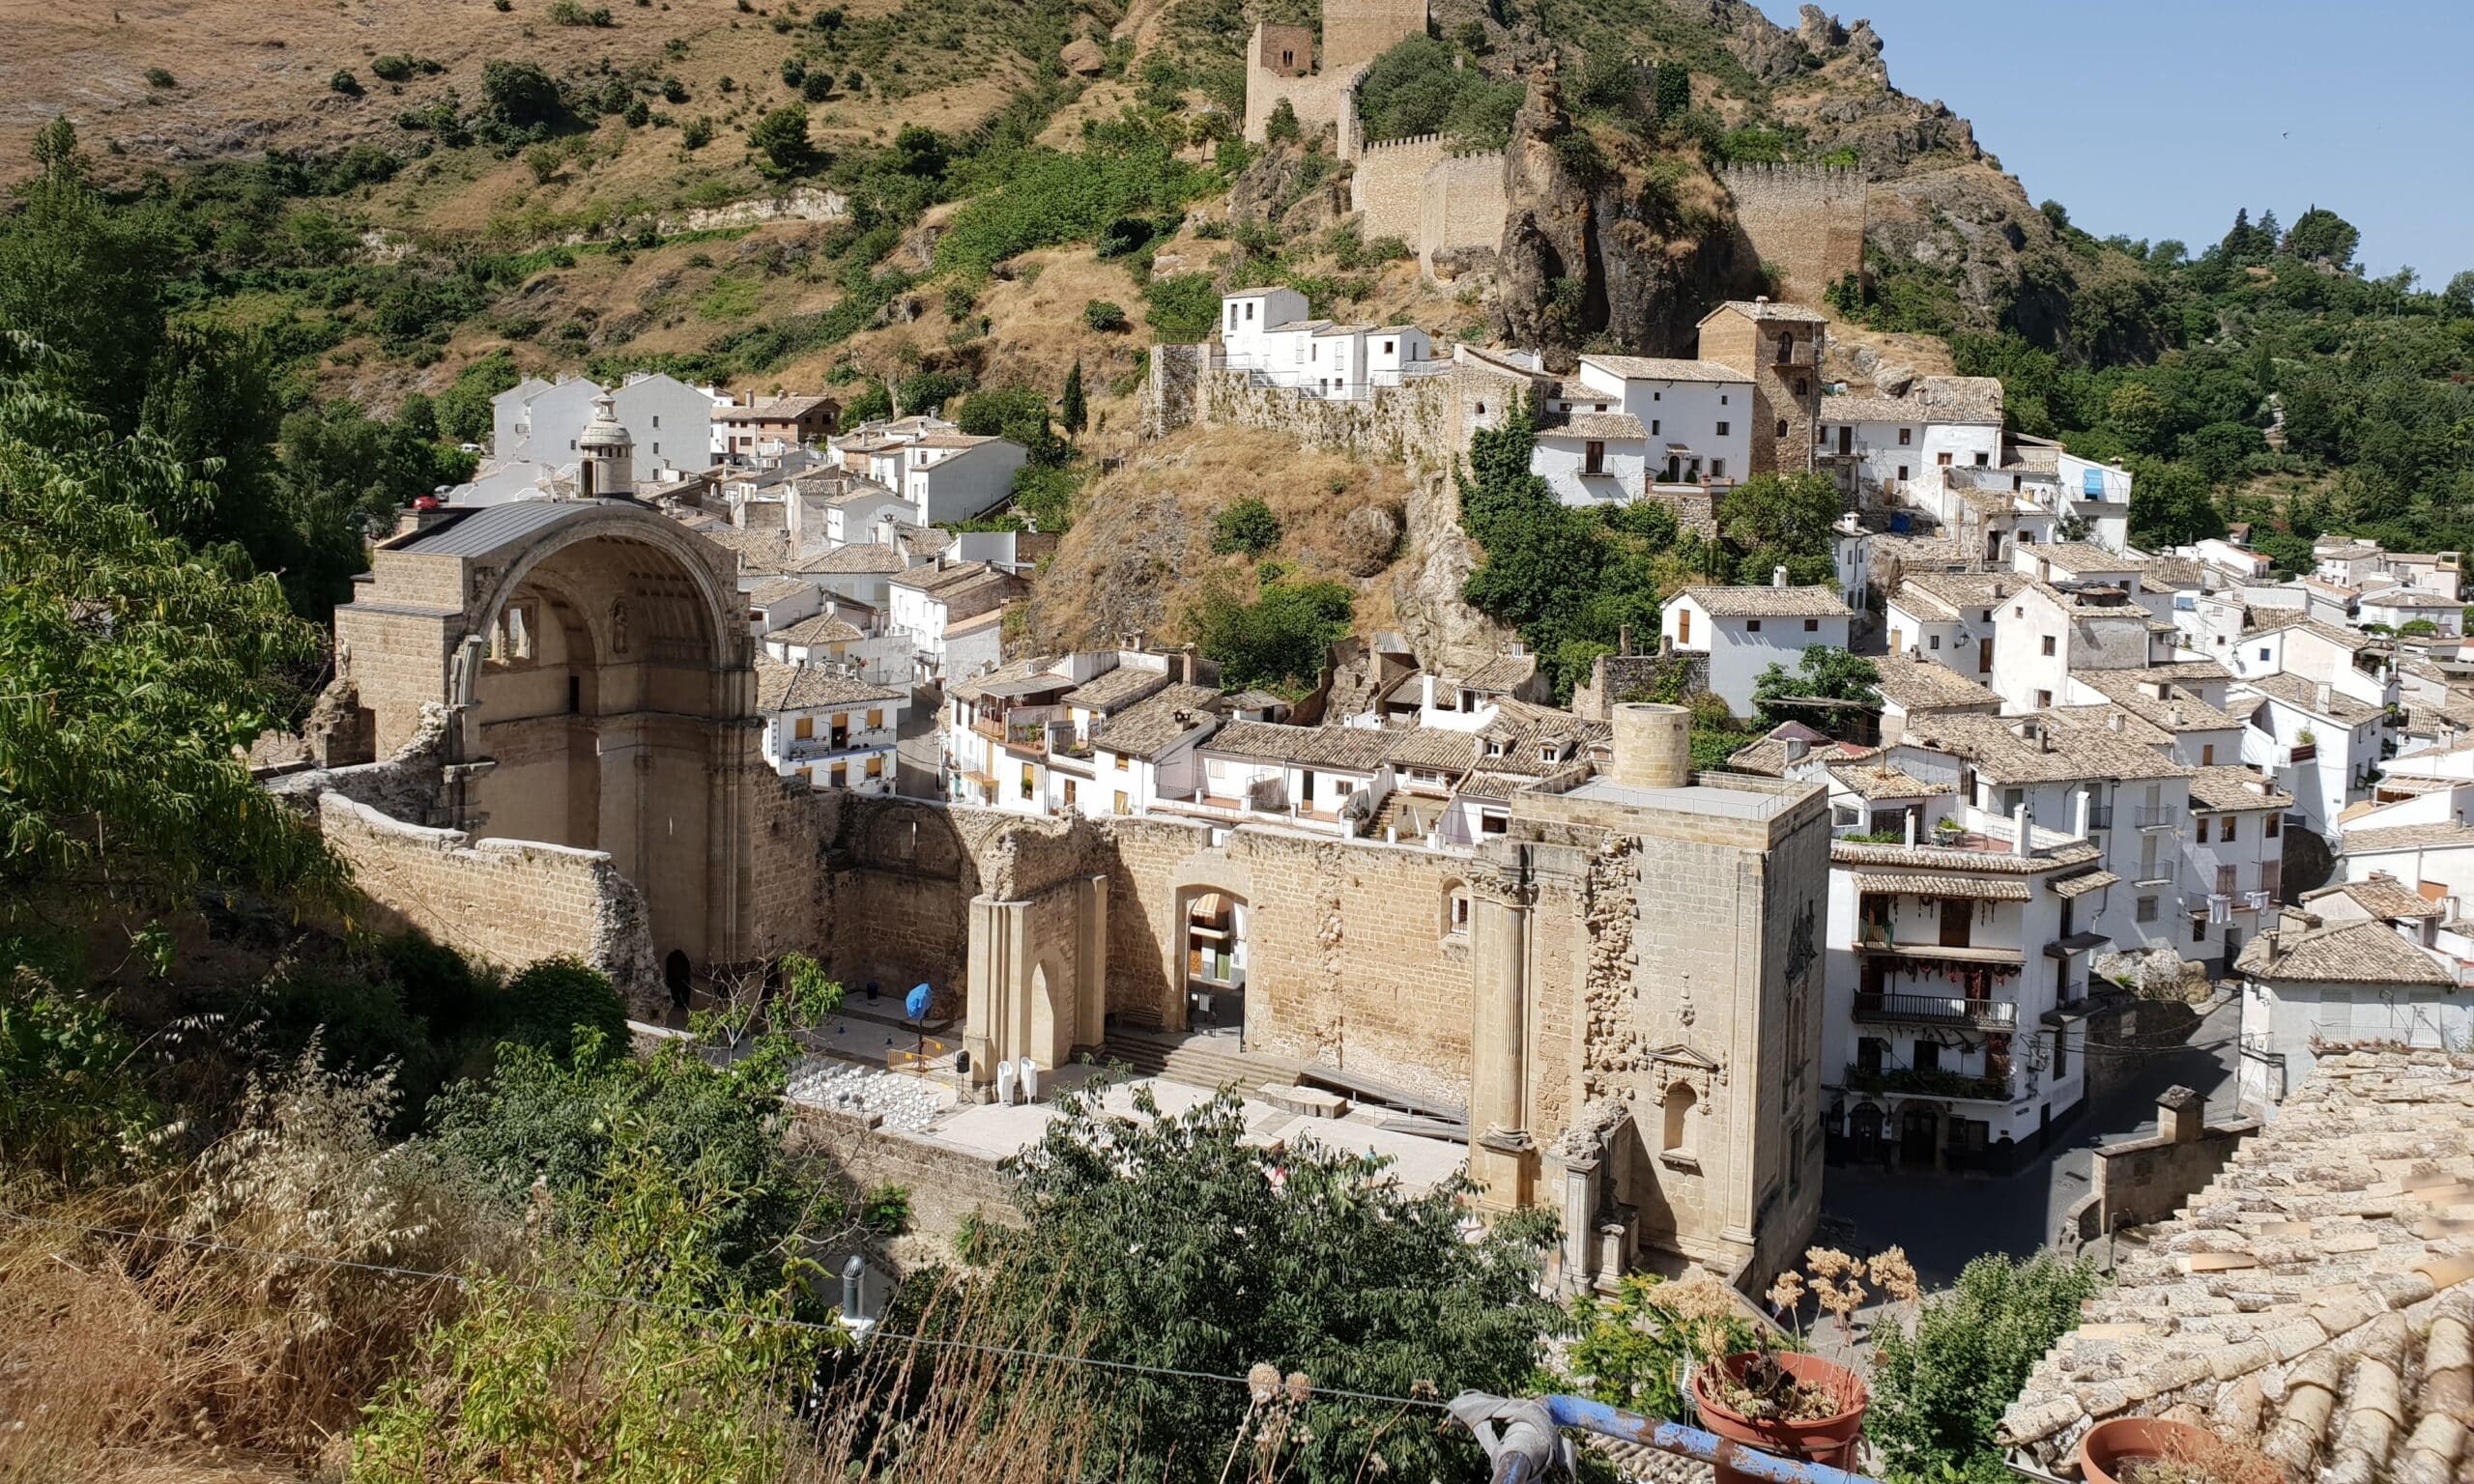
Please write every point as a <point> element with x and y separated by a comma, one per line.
<point>1865,1134</point>
<point>1213,924</point>
<point>1920,1130</point>
<point>678,979</point>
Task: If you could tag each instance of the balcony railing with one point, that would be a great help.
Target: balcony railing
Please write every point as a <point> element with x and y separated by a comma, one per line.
<point>1933,1083</point>
<point>2100,816</point>
<point>1938,1009</point>
<point>2154,816</point>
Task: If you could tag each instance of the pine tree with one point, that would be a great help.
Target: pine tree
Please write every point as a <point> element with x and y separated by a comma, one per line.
<point>1072,411</point>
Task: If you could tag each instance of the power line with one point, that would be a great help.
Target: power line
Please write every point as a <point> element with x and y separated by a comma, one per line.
<point>389,1270</point>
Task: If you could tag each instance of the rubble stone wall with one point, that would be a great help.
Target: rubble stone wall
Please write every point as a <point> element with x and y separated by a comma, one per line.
<point>1807,219</point>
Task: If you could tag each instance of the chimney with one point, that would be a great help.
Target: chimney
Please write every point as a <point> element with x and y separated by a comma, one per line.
<point>2320,694</point>
<point>2113,719</point>
<point>2173,714</point>
<point>1186,662</point>
<point>1778,577</point>
<point>2019,842</point>
<point>1910,828</point>
<point>940,559</point>
<point>2085,806</point>
<point>1760,299</point>
<point>1796,748</point>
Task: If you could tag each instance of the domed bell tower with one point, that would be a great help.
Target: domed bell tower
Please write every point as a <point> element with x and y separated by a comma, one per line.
<point>609,466</point>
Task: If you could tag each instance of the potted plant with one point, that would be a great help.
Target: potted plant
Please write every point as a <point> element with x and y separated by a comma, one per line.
<point>2150,1450</point>
<point>1798,1405</point>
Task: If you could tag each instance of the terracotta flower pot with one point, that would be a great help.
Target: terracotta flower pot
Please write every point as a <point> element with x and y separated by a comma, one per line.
<point>1830,1441</point>
<point>2107,1448</point>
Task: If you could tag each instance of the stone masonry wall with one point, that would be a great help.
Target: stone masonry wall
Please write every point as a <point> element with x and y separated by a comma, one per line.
<point>1807,219</point>
<point>507,901</point>
<point>1358,31</point>
<point>1388,189</point>
<point>1461,206</point>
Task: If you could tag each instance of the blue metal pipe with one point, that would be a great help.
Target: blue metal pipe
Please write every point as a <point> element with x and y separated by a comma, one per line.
<point>1692,1443</point>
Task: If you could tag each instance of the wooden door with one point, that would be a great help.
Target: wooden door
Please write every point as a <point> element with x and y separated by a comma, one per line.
<point>1957,917</point>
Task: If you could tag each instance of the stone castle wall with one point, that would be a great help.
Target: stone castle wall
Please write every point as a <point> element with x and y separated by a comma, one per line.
<point>1356,32</point>
<point>1388,192</point>
<point>1806,219</point>
<point>507,901</point>
<point>1461,206</point>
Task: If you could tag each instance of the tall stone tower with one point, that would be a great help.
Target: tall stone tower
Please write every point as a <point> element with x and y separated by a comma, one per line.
<point>1779,347</point>
<point>609,462</point>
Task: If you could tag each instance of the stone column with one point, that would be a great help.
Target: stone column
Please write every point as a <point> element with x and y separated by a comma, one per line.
<point>1503,1159</point>
<point>1580,1219</point>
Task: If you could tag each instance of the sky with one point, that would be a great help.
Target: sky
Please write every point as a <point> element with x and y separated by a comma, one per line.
<point>2157,118</point>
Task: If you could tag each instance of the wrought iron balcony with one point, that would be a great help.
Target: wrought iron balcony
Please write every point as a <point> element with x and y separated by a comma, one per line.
<point>1938,1009</point>
<point>2154,816</point>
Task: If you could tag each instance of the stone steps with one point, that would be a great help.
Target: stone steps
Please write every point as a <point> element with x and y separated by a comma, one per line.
<point>1195,1060</point>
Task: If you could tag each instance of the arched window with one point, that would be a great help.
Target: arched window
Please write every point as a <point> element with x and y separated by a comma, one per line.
<point>1679,1101</point>
<point>1455,909</point>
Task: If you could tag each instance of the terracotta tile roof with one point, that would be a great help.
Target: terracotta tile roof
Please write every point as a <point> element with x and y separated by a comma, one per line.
<point>1766,602</point>
<point>817,629</point>
<point>1113,690</point>
<point>2087,556</point>
<point>1358,748</point>
<point>1769,312</point>
<point>2310,1301</point>
<point>2382,896</point>
<point>2304,949</point>
<point>1607,427</point>
<point>1010,678</point>
<point>1869,780</point>
<point>2003,755</point>
<point>1146,728</point>
<point>760,552</point>
<point>1947,595</point>
<point>2295,690</point>
<point>2058,852</point>
<point>2278,620</point>
<point>1912,682</point>
<point>781,687</point>
<point>2181,711</point>
<point>1660,368</point>
<point>2080,885</point>
<point>1435,748</point>
<point>2221,787</point>
<point>860,556</point>
<point>1972,888</point>
<point>1501,674</point>
<point>930,579</point>
<point>2410,597</point>
<point>2409,837</point>
<point>779,590</point>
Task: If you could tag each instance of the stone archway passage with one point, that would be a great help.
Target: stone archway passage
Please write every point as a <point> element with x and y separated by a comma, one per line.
<point>1212,937</point>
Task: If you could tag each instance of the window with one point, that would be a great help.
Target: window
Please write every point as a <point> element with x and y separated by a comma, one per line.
<point>2048,644</point>
<point>1250,303</point>
<point>1657,396</point>
<point>1718,469</point>
<point>2225,880</point>
<point>1722,430</point>
<point>2198,927</point>
<point>1752,626</point>
<point>2271,876</point>
<point>656,447</point>
<point>2275,822</point>
<point>1936,644</point>
<point>1902,473</point>
<point>1386,349</point>
<point>2200,831</point>
<point>656,420</point>
<point>877,766</point>
<point>2207,758</point>
<point>1456,910</point>
<point>1782,427</point>
<point>1593,457</point>
<point>1030,781</point>
<point>2060,1052</point>
<point>840,776</point>
<point>1928,1056</point>
<point>875,716</point>
<point>1654,426</point>
<point>1812,626</point>
<point>1123,806</point>
<point>2044,698</point>
<point>1983,459</point>
<point>1902,437</point>
<point>1069,792</point>
<point>2230,823</point>
<point>804,728</point>
<point>1803,387</point>
<point>2263,651</point>
<point>1722,401</point>
<point>1683,625</point>
<point>2147,912</point>
<point>1942,459</point>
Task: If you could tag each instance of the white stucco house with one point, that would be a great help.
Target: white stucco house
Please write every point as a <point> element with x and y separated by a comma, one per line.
<point>671,422</point>
<point>2338,974</point>
<point>1623,425</point>
<point>1746,630</point>
<point>825,725</point>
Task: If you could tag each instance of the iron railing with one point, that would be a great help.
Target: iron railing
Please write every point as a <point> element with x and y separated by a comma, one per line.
<point>1936,1008</point>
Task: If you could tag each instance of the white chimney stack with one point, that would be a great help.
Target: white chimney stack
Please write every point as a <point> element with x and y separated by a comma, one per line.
<point>2019,818</point>
<point>1910,828</point>
<point>2086,804</point>
<point>1778,577</point>
<point>2322,694</point>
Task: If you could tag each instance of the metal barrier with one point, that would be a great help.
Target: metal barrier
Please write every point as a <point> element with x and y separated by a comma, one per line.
<point>1523,1447</point>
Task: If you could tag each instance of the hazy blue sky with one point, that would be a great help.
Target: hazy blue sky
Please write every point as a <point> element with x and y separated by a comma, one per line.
<point>2157,118</point>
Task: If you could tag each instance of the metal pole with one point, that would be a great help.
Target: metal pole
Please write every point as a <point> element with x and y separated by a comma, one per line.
<point>850,1272</point>
<point>1525,1451</point>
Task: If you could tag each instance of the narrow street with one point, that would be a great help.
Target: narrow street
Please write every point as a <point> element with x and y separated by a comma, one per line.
<point>1945,1220</point>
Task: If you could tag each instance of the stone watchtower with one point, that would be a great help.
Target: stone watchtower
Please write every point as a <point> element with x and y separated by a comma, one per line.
<point>1281,65</point>
<point>1779,347</point>
<point>608,464</point>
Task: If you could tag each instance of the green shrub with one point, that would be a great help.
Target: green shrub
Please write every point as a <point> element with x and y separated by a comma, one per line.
<point>554,999</point>
<point>1418,87</point>
<point>674,91</point>
<point>1105,317</point>
<point>781,136</point>
<point>695,133</point>
<point>344,82</point>
<point>817,86</point>
<point>159,77</point>
<point>392,69</point>
<point>1939,1391</point>
<point>1278,638</point>
<point>1184,308</point>
<point>568,12</point>
<point>1246,527</point>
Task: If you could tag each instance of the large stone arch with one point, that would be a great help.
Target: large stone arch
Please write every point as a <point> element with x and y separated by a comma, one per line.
<point>595,665</point>
<point>1203,874</point>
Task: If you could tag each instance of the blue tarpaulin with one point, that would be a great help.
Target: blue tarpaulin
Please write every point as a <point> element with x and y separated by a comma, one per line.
<point>2093,483</point>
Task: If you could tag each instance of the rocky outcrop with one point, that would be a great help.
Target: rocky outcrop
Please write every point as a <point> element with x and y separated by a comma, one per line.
<point>1591,249</point>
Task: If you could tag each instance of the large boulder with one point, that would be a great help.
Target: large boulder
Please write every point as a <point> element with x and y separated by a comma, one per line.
<point>1083,57</point>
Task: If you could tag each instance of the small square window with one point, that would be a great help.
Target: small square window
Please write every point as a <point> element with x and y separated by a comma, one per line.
<point>2048,644</point>
<point>1752,626</point>
<point>1812,626</point>
<point>1722,430</point>
<point>2044,698</point>
<point>1937,640</point>
<point>1902,436</point>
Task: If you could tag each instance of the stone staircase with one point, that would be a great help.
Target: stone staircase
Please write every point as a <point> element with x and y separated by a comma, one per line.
<point>1201,1061</point>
